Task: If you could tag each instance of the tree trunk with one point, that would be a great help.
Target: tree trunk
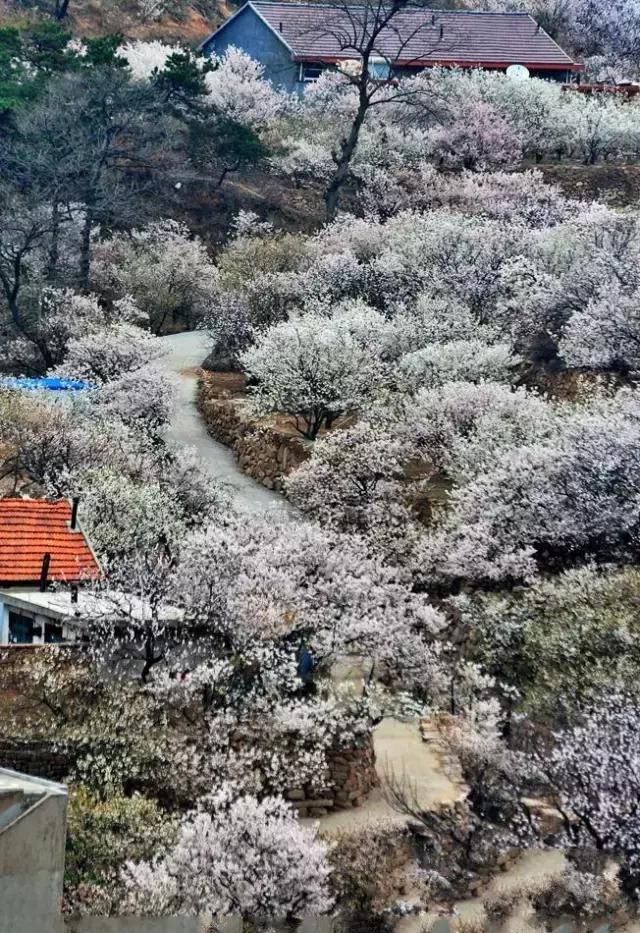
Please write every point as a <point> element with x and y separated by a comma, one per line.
<point>343,162</point>
<point>61,9</point>
<point>53,257</point>
<point>85,249</point>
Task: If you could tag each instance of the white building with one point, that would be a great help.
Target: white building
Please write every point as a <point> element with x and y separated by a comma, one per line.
<point>45,560</point>
<point>32,844</point>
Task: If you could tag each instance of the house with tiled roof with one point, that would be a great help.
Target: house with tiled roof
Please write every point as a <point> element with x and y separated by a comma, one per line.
<point>45,558</point>
<point>295,42</point>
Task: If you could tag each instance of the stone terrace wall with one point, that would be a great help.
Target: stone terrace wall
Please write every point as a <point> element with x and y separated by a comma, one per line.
<point>263,450</point>
<point>350,776</point>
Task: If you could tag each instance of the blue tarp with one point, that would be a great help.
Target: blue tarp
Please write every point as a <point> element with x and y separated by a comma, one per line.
<point>46,383</point>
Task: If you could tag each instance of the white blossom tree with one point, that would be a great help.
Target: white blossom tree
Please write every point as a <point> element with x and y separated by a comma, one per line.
<point>314,368</point>
<point>605,334</point>
<point>162,267</point>
<point>355,481</point>
<point>479,138</point>
<point>559,502</point>
<point>457,361</point>
<point>236,855</point>
<point>593,771</point>
<point>238,90</point>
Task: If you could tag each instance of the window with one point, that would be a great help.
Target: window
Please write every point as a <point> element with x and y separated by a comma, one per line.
<point>310,72</point>
<point>20,629</point>
<point>52,633</point>
<point>379,68</point>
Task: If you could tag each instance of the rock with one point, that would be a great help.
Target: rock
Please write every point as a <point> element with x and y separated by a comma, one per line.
<point>318,811</point>
<point>296,794</point>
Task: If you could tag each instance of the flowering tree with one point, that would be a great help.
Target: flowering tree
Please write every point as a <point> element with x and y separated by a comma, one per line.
<point>605,333</point>
<point>479,138</point>
<point>355,481</point>
<point>365,83</point>
<point>145,59</point>
<point>237,856</point>
<point>236,89</point>
<point>593,770</point>
<point>312,584</point>
<point>165,270</point>
<point>314,368</point>
<point>458,361</point>
<point>559,643</point>
<point>58,316</point>
<point>463,429</point>
<point>106,355</point>
<point>546,504</point>
<point>119,362</point>
<point>618,37</point>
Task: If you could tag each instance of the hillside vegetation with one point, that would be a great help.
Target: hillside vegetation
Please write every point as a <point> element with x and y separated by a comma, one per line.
<point>434,283</point>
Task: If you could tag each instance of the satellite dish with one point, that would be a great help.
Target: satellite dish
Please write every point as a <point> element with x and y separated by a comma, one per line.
<point>518,72</point>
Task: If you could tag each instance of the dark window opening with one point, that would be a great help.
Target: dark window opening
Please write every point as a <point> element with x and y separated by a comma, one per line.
<point>20,629</point>
<point>310,72</point>
<point>52,633</point>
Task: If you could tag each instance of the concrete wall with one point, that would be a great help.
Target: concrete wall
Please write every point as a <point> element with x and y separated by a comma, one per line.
<point>251,34</point>
<point>178,925</point>
<point>32,856</point>
<point>133,925</point>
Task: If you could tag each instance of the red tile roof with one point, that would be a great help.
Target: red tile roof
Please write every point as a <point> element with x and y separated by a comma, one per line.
<point>31,528</point>
<point>322,32</point>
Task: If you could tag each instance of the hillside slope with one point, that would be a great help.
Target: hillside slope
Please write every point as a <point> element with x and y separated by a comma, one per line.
<point>169,20</point>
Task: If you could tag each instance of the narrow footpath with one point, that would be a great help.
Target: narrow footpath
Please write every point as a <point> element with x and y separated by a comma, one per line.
<point>400,753</point>
<point>398,745</point>
<point>187,429</point>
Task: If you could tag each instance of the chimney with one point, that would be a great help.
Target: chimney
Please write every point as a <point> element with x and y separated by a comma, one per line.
<point>441,30</point>
<point>44,572</point>
<point>281,27</point>
<point>74,512</point>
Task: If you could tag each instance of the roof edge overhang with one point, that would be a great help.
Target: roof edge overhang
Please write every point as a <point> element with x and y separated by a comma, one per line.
<point>86,578</point>
<point>251,6</point>
<point>448,63</point>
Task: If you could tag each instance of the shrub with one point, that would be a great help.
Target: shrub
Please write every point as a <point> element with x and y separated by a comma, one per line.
<point>103,834</point>
<point>368,877</point>
<point>500,904</point>
<point>577,894</point>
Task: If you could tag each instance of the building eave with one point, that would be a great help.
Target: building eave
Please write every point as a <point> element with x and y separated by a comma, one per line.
<point>447,63</point>
<point>257,12</point>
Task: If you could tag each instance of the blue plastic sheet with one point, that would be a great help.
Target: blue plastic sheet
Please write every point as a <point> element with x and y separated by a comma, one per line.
<point>46,383</point>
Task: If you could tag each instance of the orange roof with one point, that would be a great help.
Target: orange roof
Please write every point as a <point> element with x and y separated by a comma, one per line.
<point>31,528</point>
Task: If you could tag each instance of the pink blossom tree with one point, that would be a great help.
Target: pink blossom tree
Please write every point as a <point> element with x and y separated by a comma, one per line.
<point>479,138</point>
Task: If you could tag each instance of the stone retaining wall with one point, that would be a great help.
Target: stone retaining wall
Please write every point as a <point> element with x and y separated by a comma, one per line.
<point>262,450</point>
<point>350,776</point>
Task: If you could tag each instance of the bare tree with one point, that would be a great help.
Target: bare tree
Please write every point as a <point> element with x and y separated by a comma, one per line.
<point>93,146</point>
<point>383,38</point>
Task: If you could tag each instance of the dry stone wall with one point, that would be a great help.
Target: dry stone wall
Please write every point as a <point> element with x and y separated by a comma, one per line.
<point>263,450</point>
<point>351,775</point>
